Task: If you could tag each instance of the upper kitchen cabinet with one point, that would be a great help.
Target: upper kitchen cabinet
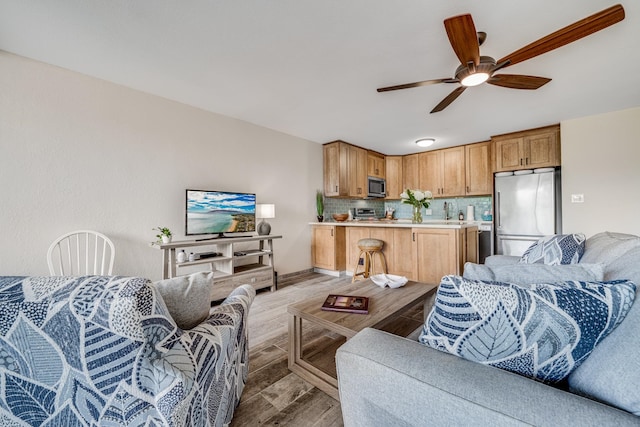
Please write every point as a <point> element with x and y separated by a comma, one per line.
<point>479,178</point>
<point>442,172</point>
<point>393,173</point>
<point>345,170</point>
<point>375,164</point>
<point>535,148</point>
<point>410,177</point>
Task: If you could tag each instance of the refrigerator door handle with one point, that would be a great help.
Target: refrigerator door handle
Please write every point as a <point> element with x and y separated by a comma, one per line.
<point>497,212</point>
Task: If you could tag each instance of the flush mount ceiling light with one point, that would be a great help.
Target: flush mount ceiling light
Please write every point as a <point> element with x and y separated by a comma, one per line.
<point>425,142</point>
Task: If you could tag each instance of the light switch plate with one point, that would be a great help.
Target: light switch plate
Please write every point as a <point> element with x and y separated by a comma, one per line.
<point>577,198</point>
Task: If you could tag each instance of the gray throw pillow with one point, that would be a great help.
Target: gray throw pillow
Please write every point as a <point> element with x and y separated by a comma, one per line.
<point>606,247</point>
<point>188,298</point>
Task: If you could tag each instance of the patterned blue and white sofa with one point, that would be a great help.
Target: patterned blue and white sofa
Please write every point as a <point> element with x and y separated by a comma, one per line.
<point>96,350</point>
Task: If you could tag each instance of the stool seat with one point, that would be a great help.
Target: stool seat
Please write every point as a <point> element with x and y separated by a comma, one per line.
<point>370,249</point>
<point>370,244</point>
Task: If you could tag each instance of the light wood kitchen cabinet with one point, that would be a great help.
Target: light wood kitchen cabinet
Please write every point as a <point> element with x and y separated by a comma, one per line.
<point>393,172</point>
<point>441,251</point>
<point>345,170</point>
<point>335,157</point>
<point>478,174</point>
<point>357,172</point>
<point>410,175</point>
<point>471,246</point>
<point>375,164</point>
<point>328,247</point>
<point>396,249</point>
<point>400,260</point>
<point>535,148</point>
<point>443,172</point>
<point>353,234</point>
<point>435,253</point>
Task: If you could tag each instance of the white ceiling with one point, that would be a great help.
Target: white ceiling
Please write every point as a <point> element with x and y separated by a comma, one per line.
<point>310,68</point>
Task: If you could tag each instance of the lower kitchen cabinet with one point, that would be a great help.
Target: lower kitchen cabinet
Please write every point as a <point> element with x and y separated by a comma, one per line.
<point>354,234</point>
<point>441,251</point>
<point>396,249</point>
<point>328,247</point>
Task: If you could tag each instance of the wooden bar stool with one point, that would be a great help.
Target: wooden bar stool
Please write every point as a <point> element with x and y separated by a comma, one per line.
<point>369,250</point>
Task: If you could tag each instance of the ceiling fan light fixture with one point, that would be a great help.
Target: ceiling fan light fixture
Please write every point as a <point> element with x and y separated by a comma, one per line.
<point>474,79</point>
<point>473,75</point>
<point>425,142</point>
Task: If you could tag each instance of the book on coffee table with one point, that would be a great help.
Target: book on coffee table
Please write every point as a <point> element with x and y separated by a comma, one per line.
<point>346,303</point>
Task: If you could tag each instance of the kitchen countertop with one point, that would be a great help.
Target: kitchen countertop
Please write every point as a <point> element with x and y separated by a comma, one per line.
<point>404,223</point>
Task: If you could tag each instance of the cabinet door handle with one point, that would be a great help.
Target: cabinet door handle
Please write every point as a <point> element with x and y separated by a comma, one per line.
<point>336,188</point>
<point>520,162</point>
<point>468,189</point>
<point>413,237</point>
<point>526,161</point>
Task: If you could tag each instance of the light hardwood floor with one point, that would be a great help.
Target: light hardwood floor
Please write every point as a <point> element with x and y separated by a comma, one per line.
<point>274,396</point>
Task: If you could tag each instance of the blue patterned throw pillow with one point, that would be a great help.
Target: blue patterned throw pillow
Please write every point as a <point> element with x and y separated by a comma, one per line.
<point>556,249</point>
<point>541,331</point>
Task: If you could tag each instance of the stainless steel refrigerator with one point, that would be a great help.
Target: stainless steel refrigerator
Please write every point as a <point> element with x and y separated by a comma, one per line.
<point>527,207</point>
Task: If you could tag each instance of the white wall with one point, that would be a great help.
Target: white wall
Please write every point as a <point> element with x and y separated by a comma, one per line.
<point>77,152</point>
<point>601,159</point>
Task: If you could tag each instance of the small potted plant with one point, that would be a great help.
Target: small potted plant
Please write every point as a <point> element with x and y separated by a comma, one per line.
<point>164,235</point>
<point>320,205</point>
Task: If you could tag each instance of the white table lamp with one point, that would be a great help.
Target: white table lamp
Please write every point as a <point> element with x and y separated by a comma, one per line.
<point>265,211</point>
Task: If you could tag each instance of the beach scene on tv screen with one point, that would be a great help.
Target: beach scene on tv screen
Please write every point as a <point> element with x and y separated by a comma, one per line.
<point>211,212</point>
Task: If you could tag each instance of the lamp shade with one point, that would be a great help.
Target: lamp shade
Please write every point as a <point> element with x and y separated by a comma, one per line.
<point>265,211</point>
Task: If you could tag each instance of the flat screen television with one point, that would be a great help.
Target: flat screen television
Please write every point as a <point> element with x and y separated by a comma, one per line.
<point>219,212</point>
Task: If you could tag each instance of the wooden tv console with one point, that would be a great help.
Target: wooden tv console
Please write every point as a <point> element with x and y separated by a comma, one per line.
<point>229,270</point>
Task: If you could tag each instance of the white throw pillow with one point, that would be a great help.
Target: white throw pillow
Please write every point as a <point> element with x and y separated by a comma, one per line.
<point>188,298</point>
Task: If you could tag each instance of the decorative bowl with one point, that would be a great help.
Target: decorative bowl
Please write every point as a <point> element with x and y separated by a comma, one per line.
<point>389,280</point>
<point>340,217</point>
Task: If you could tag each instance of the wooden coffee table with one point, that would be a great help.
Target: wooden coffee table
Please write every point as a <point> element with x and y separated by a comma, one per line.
<point>385,304</point>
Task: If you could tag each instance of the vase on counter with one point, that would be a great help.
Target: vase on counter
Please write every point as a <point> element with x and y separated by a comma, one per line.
<point>416,218</point>
<point>320,218</point>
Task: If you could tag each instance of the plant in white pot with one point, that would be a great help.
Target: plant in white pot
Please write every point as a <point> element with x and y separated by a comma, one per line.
<point>164,235</point>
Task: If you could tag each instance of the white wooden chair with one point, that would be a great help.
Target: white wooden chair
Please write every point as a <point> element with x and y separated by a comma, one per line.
<point>79,253</point>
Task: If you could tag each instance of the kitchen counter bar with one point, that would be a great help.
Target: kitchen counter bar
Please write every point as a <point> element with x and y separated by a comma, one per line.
<point>422,252</point>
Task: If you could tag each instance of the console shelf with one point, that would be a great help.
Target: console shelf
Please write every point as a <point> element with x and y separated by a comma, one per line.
<point>229,270</point>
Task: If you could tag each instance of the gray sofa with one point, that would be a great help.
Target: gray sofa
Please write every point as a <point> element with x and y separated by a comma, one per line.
<point>389,380</point>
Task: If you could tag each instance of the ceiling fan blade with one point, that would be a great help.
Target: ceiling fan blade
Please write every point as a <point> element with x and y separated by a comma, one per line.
<point>517,81</point>
<point>568,34</point>
<point>463,38</point>
<point>448,100</point>
<point>417,84</point>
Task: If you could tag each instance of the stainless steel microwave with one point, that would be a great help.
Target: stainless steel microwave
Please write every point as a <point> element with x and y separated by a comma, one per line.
<point>376,187</point>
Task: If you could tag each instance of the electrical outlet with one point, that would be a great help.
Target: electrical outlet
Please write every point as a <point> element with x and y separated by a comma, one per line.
<point>428,211</point>
<point>577,198</point>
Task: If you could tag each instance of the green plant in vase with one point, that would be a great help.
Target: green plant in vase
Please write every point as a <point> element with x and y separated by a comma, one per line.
<point>163,236</point>
<point>320,205</point>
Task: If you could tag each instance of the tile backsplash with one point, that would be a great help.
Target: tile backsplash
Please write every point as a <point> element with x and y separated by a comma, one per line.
<point>403,211</point>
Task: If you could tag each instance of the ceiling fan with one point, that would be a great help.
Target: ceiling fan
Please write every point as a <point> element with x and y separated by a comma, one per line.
<point>475,69</point>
